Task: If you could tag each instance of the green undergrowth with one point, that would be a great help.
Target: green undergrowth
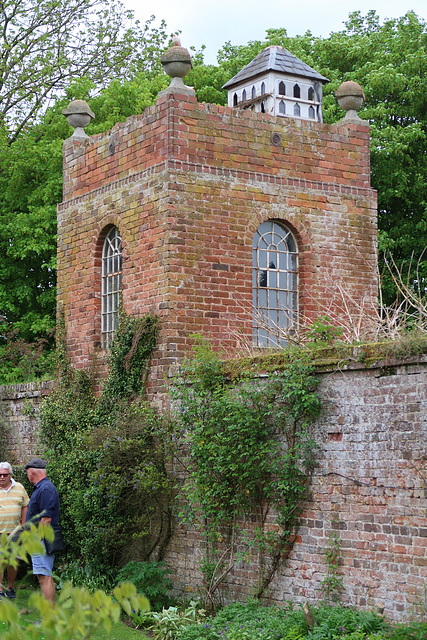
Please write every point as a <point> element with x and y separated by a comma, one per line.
<point>107,456</point>
<point>253,621</point>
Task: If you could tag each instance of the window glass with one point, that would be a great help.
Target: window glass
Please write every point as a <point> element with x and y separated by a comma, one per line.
<point>253,92</point>
<point>111,285</point>
<point>262,88</point>
<point>297,110</point>
<point>282,107</point>
<point>243,95</point>
<point>311,113</point>
<point>310,93</point>
<point>282,88</point>
<point>274,283</point>
<point>297,91</point>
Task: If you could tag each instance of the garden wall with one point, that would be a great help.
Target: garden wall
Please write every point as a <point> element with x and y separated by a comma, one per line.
<point>369,488</point>
<point>18,419</point>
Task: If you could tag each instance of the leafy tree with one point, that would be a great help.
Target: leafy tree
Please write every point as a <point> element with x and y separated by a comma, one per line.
<point>46,44</point>
<point>30,189</point>
<point>389,60</point>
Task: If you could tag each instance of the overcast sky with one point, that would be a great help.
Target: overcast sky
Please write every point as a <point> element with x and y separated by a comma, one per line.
<point>215,22</point>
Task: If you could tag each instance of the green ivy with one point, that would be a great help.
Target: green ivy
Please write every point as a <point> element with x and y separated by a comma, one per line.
<point>106,454</point>
<point>130,352</point>
<point>332,584</point>
<point>249,453</point>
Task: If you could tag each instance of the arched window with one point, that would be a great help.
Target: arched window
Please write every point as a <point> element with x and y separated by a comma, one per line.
<point>311,113</point>
<point>253,92</point>
<point>310,93</point>
<point>297,110</point>
<point>235,100</point>
<point>282,107</point>
<point>274,284</point>
<point>111,285</point>
<point>244,95</point>
<point>297,91</point>
<point>262,88</point>
<point>282,88</point>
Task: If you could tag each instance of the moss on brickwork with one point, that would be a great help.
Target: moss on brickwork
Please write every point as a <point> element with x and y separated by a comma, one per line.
<point>332,358</point>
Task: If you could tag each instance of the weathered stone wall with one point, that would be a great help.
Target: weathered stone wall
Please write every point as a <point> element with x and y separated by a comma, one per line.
<point>370,488</point>
<point>18,419</point>
<point>188,184</point>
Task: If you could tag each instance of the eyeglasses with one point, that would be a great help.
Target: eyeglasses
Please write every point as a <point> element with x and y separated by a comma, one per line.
<point>4,475</point>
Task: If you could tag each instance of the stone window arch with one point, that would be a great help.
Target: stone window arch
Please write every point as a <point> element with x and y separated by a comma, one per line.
<point>282,107</point>
<point>244,95</point>
<point>274,283</point>
<point>311,113</point>
<point>111,285</point>
<point>310,93</point>
<point>297,91</point>
<point>262,88</point>
<point>282,88</point>
<point>297,110</point>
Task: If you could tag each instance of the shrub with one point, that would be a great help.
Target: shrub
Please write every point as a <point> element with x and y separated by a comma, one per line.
<point>84,575</point>
<point>149,578</point>
<point>77,613</point>
<point>107,455</point>
<point>256,622</point>
<point>416,631</point>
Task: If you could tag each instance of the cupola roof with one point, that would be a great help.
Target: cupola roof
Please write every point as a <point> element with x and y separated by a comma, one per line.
<point>275,58</point>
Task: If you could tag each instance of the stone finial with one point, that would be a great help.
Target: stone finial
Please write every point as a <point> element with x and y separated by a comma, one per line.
<point>350,97</point>
<point>176,62</point>
<point>78,114</point>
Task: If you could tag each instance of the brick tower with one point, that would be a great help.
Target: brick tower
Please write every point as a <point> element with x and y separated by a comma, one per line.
<point>224,221</point>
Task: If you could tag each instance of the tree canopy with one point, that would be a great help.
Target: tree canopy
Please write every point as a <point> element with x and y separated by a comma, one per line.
<point>46,44</point>
<point>121,76</point>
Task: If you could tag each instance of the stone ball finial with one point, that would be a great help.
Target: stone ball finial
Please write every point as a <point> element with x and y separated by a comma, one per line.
<point>176,62</point>
<point>350,97</point>
<point>78,114</point>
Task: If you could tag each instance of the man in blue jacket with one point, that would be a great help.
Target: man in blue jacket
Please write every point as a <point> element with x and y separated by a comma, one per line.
<point>44,500</point>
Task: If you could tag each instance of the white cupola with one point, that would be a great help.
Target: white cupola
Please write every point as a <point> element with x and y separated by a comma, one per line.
<point>278,83</point>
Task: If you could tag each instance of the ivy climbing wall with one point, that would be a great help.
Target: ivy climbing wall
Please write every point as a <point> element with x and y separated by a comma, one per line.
<point>368,500</point>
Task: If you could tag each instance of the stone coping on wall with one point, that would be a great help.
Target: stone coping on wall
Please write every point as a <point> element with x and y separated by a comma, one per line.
<point>330,359</point>
<point>25,390</point>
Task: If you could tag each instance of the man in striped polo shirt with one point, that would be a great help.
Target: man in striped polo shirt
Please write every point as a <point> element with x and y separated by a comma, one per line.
<point>13,510</point>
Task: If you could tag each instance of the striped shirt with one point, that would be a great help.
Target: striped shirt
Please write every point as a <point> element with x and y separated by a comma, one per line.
<point>12,502</point>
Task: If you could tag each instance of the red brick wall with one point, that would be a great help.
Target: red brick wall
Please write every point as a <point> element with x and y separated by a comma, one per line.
<point>370,489</point>
<point>187,185</point>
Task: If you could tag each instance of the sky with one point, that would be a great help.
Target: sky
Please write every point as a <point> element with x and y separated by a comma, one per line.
<point>215,22</point>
